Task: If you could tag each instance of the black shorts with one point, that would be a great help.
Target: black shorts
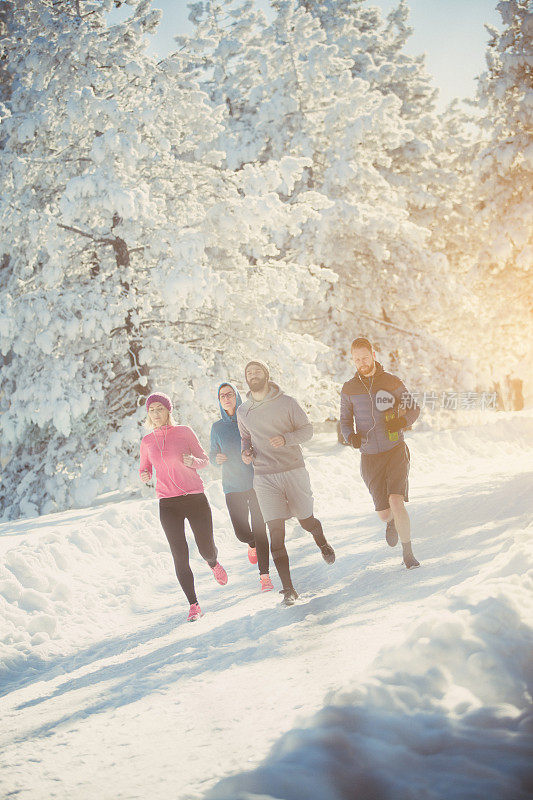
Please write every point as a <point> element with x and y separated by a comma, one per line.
<point>386,473</point>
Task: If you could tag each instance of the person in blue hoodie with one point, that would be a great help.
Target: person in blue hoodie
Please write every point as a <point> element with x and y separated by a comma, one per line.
<point>237,483</point>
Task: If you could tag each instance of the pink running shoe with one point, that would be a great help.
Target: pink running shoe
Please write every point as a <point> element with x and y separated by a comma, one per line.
<point>252,555</point>
<point>266,583</point>
<point>221,576</point>
<point>195,612</point>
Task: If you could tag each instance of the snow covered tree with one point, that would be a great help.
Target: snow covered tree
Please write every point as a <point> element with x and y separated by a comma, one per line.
<point>504,169</point>
<point>302,95</point>
<point>419,169</point>
<point>226,32</point>
<point>134,260</point>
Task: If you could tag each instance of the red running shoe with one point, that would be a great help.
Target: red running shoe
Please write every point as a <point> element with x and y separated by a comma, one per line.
<point>195,612</point>
<point>266,583</point>
<point>252,555</point>
<point>221,576</point>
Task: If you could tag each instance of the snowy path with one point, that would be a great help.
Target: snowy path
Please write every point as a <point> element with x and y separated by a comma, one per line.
<point>105,691</point>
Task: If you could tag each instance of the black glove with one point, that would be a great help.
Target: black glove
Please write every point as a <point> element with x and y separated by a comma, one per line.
<point>396,424</point>
<point>355,440</point>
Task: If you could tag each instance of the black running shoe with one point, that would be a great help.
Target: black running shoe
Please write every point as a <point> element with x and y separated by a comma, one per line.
<point>391,534</point>
<point>328,553</point>
<point>289,596</point>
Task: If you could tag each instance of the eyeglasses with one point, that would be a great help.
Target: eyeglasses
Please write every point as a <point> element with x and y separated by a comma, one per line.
<point>227,396</point>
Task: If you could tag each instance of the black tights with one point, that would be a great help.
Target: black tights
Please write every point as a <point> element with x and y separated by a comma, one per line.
<point>276,528</point>
<point>173,511</point>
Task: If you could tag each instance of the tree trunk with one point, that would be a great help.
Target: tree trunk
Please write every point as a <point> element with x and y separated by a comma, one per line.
<point>6,17</point>
<point>510,394</point>
<point>122,258</point>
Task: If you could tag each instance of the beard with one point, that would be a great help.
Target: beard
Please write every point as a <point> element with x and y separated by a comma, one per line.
<point>257,384</point>
<point>367,370</point>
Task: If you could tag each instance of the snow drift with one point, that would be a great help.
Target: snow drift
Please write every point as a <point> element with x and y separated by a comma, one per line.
<point>447,714</point>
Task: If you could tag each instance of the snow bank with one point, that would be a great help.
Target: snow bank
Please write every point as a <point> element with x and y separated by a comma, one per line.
<point>447,714</point>
<point>62,589</point>
<point>80,579</point>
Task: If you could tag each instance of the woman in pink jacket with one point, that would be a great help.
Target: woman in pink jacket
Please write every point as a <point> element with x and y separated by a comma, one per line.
<point>176,454</point>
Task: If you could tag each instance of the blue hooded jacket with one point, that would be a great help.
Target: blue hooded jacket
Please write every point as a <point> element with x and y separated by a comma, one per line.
<point>225,438</point>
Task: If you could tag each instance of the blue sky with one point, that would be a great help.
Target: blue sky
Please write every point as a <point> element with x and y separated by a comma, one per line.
<point>450,32</point>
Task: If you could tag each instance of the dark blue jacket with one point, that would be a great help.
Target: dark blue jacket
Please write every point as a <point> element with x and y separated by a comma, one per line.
<point>225,438</point>
<point>367,401</point>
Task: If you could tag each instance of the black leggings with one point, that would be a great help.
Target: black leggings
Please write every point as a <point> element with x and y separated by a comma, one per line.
<point>243,507</point>
<point>277,544</point>
<point>173,511</point>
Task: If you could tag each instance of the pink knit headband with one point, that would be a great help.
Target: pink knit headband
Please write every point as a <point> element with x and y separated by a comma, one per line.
<point>159,397</point>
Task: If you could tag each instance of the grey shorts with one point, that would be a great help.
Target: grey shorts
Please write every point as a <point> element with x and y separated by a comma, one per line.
<point>387,473</point>
<point>283,495</point>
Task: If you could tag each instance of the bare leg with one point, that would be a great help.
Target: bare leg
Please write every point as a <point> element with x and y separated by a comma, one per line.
<point>398,512</point>
<point>401,517</point>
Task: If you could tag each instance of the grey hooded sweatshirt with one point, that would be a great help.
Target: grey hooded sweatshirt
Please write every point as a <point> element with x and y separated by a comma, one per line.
<point>277,415</point>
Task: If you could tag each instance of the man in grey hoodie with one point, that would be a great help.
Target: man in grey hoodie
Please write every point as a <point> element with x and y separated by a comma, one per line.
<point>272,427</point>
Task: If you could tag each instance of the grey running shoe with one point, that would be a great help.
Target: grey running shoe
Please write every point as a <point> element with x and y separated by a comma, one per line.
<point>410,561</point>
<point>391,534</point>
<point>328,553</point>
<point>408,558</point>
<point>289,596</point>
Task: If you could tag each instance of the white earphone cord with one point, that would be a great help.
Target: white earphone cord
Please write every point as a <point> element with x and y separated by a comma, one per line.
<point>371,405</point>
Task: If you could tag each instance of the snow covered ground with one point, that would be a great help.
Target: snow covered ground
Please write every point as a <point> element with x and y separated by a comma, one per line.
<point>379,683</point>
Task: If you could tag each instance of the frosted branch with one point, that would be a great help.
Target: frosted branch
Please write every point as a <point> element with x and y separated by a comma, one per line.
<point>379,321</point>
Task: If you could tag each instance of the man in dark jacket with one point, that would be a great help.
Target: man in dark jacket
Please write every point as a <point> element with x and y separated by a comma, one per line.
<point>373,398</point>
